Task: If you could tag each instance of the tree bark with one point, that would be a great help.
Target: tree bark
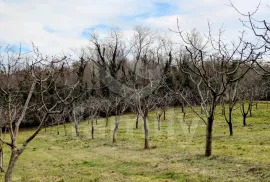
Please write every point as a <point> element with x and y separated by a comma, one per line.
<point>1,159</point>
<point>117,121</point>
<point>65,129</point>
<point>244,119</point>
<point>76,129</point>
<point>107,120</point>
<point>250,110</point>
<point>182,108</point>
<point>1,154</point>
<point>223,111</point>
<point>93,129</point>
<point>146,139</point>
<point>13,159</point>
<point>158,118</point>
<point>230,122</point>
<point>230,128</point>
<point>209,129</point>
<point>137,120</point>
<point>164,115</point>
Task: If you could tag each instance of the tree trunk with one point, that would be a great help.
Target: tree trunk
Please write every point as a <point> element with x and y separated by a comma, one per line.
<point>117,121</point>
<point>1,159</point>
<point>76,129</point>
<point>107,120</point>
<point>164,115</point>
<point>231,128</point>
<point>13,159</point>
<point>93,129</point>
<point>137,120</point>
<point>158,118</point>
<point>223,111</point>
<point>96,121</point>
<point>146,139</point>
<point>230,122</point>
<point>182,108</point>
<point>209,129</point>
<point>1,154</point>
<point>244,119</point>
<point>250,110</point>
<point>65,129</point>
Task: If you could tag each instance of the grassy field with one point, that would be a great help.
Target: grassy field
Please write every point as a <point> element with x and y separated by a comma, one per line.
<point>176,154</point>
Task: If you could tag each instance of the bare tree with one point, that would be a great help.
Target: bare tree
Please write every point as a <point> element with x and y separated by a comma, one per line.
<point>107,108</point>
<point>261,30</point>
<point>93,105</point>
<point>18,104</point>
<point>212,67</point>
<point>144,105</point>
<point>120,105</point>
<point>230,98</point>
<point>109,55</point>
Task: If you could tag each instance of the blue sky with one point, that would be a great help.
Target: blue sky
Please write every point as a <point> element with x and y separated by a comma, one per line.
<point>56,26</point>
<point>158,9</point>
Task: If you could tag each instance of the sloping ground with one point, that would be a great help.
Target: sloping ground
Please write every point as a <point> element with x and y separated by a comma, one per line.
<point>176,154</point>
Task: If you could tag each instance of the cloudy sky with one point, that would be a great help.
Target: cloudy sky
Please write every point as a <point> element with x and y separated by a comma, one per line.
<point>61,25</point>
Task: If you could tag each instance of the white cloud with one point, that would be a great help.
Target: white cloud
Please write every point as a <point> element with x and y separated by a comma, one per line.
<point>24,21</point>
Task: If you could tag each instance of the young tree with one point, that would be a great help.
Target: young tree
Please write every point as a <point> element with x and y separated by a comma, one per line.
<point>229,98</point>
<point>107,108</point>
<point>120,105</point>
<point>144,105</point>
<point>212,67</point>
<point>92,106</point>
<point>20,104</point>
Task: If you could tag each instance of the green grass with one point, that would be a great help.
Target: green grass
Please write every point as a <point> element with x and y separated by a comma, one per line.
<point>176,155</point>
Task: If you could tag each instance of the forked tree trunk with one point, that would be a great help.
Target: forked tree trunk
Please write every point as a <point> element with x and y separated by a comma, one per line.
<point>146,139</point>
<point>117,121</point>
<point>209,129</point>
<point>13,159</point>
<point>244,114</point>
<point>93,129</point>
<point>137,120</point>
